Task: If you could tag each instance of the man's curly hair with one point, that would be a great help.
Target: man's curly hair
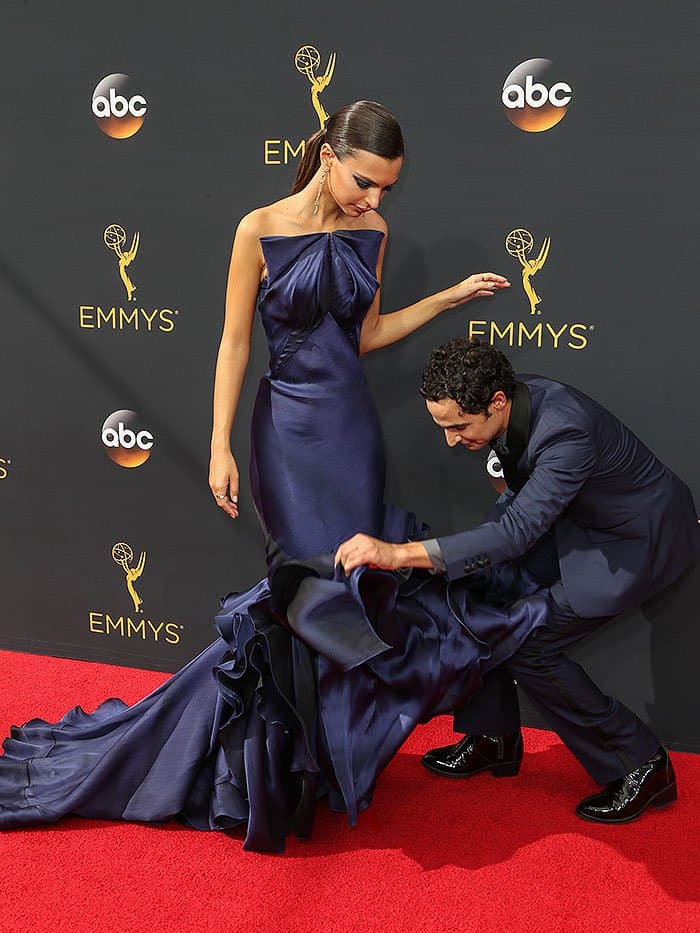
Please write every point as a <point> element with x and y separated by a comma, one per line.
<point>469,372</point>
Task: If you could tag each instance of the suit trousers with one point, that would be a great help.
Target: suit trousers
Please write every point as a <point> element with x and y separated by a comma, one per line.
<point>607,738</point>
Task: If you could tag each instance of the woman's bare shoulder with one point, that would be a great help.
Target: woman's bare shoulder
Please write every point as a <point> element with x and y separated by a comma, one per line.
<point>375,221</point>
<point>258,222</point>
<point>283,218</point>
<point>271,219</point>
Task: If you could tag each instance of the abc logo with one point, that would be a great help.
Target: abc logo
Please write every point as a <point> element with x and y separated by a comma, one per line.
<point>493,466</point>
<point>118,111</point>
<point>125,443</point>
<point>533,97</point>
<point>495,473</point>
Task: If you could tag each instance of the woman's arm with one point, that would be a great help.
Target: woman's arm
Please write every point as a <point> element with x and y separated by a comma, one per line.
<point>380,330</point>
<point>241,296</point>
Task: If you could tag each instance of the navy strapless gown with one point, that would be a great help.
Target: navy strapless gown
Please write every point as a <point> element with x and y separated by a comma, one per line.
<point>315,679</point>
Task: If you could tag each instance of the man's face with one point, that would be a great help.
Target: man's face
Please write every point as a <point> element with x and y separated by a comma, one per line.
<point>471,431</point>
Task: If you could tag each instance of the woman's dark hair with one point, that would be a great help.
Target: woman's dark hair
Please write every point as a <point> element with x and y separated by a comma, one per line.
<point>363,125</point>
<point>469,372</point>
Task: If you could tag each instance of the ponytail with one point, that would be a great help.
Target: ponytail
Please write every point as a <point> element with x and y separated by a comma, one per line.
<point>363,125</point>
<point>310,161</point>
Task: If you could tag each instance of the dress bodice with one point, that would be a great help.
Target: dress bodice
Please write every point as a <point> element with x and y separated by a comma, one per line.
<point>314,279</point>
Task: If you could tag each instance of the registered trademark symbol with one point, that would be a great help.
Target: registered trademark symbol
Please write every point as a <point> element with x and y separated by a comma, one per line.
<point>591,326</point>
<point>177,310</point>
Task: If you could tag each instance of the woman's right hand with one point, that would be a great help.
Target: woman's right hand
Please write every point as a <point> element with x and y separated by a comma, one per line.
<point>223,481</point>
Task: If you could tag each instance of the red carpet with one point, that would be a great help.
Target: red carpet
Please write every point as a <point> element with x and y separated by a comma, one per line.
<point>430,855</point>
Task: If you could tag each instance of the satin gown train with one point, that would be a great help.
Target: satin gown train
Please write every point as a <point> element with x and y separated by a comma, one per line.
<point>315,679</point>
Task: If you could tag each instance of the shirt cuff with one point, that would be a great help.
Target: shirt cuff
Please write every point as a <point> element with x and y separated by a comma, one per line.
<point>435,554</point>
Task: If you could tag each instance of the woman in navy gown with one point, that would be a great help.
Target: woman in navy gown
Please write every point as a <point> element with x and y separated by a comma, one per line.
<point>316,678</point>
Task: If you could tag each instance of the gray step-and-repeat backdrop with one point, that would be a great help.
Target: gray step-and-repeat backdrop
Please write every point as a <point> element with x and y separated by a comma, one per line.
<point>551,142</point>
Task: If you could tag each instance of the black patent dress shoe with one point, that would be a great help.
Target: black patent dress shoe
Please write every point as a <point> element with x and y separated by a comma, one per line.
<point>499,754</point>
<point>624,800</point>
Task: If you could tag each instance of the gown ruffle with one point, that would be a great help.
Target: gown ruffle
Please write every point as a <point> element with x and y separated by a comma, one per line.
<point>316,678</point>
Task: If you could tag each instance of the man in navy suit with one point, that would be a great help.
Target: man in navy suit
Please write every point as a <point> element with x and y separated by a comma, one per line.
<point>598,521</point>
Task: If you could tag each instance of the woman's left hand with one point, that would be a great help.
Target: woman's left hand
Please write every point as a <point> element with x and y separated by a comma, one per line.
<point>479,285</point>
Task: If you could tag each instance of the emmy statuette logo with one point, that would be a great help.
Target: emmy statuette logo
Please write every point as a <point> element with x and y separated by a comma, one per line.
<point>307,61</point>
<point>125,443</point>
<point>115,238</point>
<point>123,624</point>
<point>519,244</point>
<point>118,110</point>
<point>533,97</point>
<point>123,555</point>
<point>110,315</point>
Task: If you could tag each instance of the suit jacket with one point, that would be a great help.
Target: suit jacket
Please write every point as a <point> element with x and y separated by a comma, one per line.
<point>625,526</point>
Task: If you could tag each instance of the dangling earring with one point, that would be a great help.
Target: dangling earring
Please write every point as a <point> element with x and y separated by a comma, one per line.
<point>320,188</point>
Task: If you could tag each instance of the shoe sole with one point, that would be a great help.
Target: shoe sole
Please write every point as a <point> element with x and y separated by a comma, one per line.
<point>664,798</point>
<point>504,769</point>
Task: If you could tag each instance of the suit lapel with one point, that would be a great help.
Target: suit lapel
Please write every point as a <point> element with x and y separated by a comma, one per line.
<point>517,437</point>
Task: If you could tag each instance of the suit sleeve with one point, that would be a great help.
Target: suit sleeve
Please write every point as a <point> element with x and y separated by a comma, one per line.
<point>563,463</point>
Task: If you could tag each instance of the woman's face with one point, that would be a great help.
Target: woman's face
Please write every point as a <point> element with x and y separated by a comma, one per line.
<point>359,182</point>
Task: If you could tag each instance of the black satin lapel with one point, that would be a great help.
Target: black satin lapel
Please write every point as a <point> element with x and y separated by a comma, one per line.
<point>519,423</point>
<point>517,437</point>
